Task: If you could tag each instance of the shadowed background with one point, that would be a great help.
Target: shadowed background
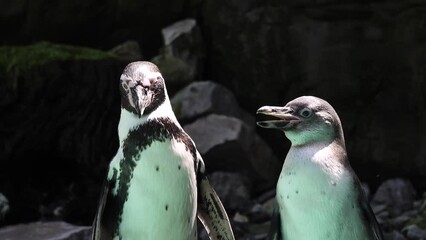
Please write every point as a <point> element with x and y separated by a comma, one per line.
<point>60,63</point>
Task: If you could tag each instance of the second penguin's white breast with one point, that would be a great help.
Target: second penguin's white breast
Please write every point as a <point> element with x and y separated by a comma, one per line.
<point>162,197</point>
<point>316,199</point>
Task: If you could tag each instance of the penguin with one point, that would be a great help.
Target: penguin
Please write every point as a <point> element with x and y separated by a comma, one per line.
<point>318,195</point>
<point>156,184</point>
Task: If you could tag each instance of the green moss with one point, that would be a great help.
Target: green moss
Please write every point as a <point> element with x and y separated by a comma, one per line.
<point>21,58</point>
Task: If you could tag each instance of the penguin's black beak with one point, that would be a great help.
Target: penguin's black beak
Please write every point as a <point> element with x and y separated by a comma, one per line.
<point>141,98</point>
<point>285,116</point>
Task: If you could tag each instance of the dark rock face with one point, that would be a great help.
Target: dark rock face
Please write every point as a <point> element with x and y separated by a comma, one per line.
<point>100,24</point>
<point>58,134</point>
<point>366,58</point>
<point>248,43</point>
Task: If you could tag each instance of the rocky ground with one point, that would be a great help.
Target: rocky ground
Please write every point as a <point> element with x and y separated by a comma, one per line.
<point>401,213</point>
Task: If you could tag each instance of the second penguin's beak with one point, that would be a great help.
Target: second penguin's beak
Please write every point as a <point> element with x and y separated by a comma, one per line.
<point>284,115</point>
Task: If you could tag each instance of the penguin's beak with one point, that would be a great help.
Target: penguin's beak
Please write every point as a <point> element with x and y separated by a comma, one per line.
<point>141,98</point>
<point>284,114</point>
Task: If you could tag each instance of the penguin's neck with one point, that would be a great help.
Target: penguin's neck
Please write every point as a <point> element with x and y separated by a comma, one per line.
<point>129,120</point>
<point>328,157</point>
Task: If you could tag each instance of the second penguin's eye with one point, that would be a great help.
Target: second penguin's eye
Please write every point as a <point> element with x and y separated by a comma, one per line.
<point>306,112</point>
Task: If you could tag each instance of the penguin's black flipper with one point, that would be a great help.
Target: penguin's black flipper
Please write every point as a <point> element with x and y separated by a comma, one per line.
<point>211,212</point>
<point>369,217</point>
<point>275,229</point>
<point>100,231</point>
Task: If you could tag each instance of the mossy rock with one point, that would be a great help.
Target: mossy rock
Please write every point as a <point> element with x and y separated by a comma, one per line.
<point>18,60</point>
<point>21,58</point>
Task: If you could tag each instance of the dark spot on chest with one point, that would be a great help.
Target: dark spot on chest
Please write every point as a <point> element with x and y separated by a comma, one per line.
<point>159,129</point>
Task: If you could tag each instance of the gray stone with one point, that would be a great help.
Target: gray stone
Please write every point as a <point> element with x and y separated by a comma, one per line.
<point>128,51</point>
<point>366,189</point>
<point>227,144</point>
<point>262,208</point>
<point>394,235</point>
<point>181,58</point>
<point>398,194</point>
<point>204,97</point>
<point>214,131</point>
<point>413,232</point>
<point>232,188</point>
<point>378,208</point>
<point>257,214</point>
<point>398,222</point>
<point>45,231</point>
<point>240,218</point>
<point>178,29</point>
<point>269,206</point>
<point>4,207</point>
<point>176,72</point>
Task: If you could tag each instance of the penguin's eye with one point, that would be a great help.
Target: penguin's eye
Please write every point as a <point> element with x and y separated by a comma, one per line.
<point>306,112</point>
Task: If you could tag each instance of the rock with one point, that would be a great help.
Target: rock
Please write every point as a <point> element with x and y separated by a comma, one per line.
<point>181,59</point>
<point>413,232</point>
<point>240,218</point>
<point>128,51</point>
<point>251,231</point>
<point>4,207</point>
<point>233,189</point>
<point>394,235</point>
<point>269,206</point>
<point>400,221</point>
<point>213,132</point>
<point>45,231</point>
<point>184,41</point>
<point>204,97</point>
<point>227,144</point>
<point>175,71</point>
<point>378,208</point>
<point>366,189</point>
<point>398,194</point>
<point>257,214</point>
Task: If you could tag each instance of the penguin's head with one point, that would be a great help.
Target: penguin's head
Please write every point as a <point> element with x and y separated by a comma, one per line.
<point>142,88</point>
<point>304,120</point>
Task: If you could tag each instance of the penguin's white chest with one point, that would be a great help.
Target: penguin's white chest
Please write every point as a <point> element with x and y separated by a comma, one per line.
<point>162,195</point>
<point>317,200</point>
